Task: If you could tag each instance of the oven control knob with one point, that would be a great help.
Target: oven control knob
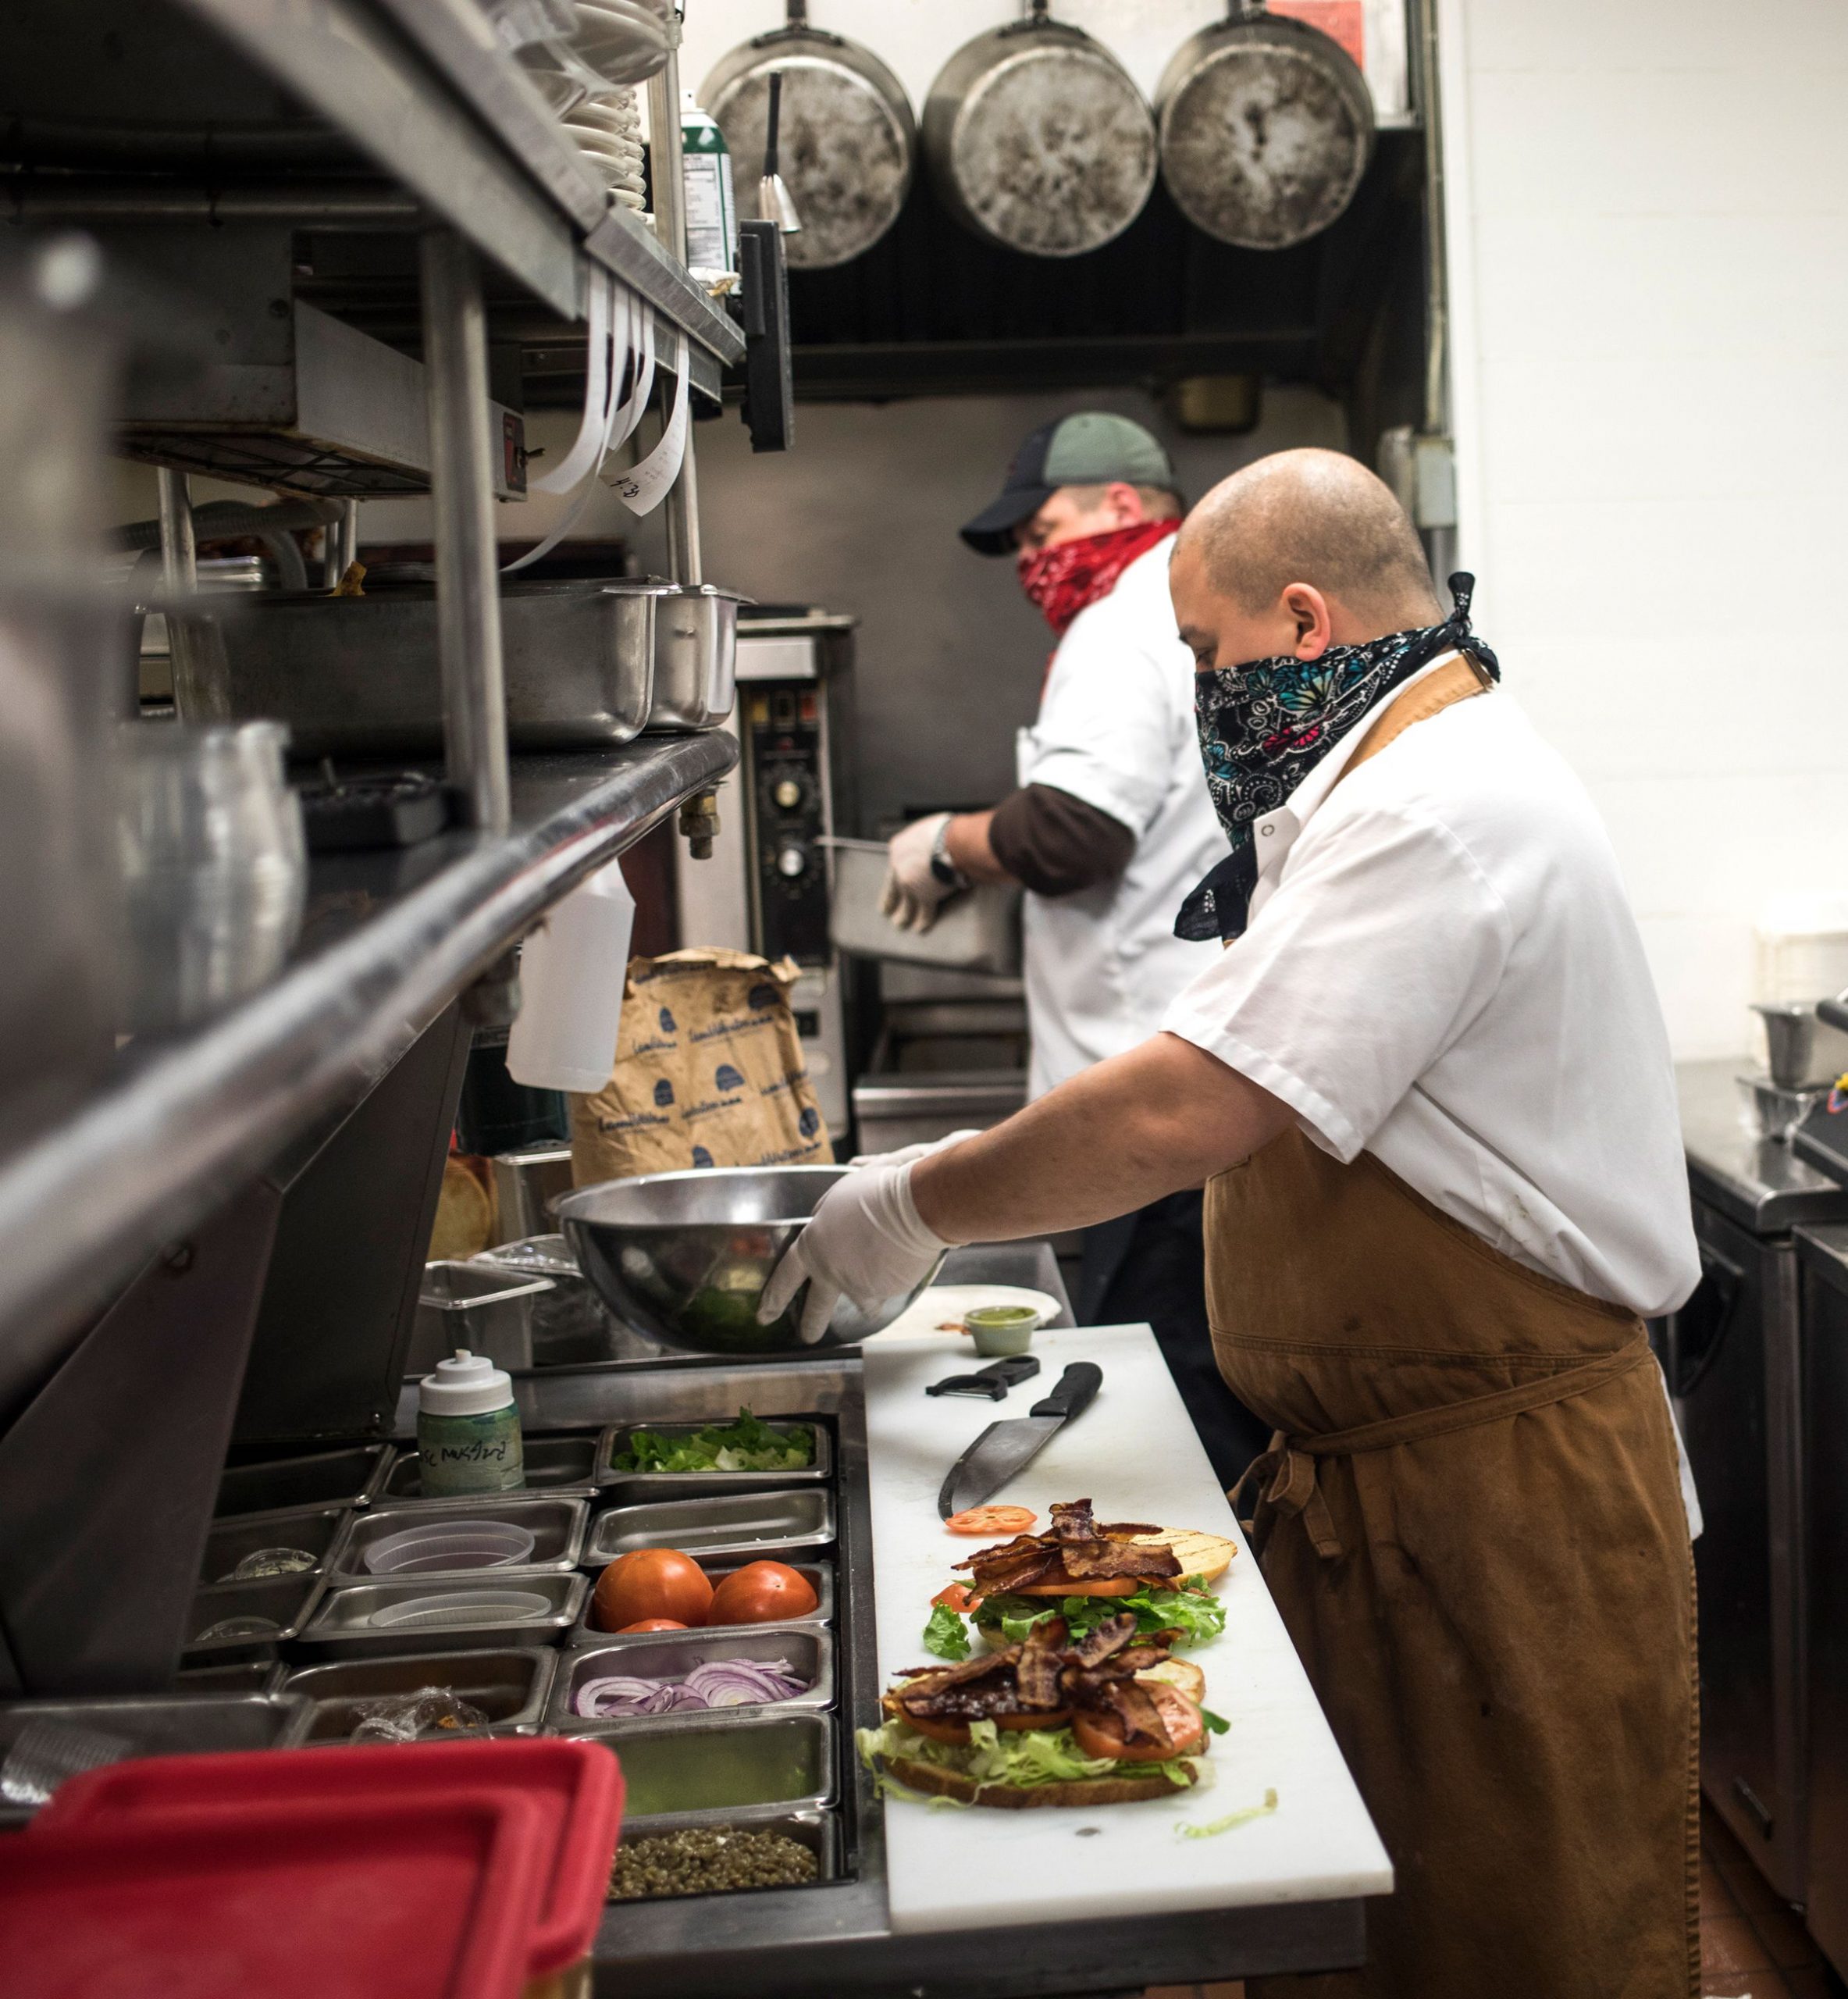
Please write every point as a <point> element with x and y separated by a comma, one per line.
<point>792,860</point>
<point>788,794</point>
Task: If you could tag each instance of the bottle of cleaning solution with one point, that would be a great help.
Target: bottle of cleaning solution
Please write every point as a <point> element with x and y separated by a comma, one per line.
<point>571,973</point>
<point>468,1429</point>
<point>711,212</point>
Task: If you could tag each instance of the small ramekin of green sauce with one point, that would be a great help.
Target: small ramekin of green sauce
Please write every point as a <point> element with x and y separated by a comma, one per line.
<point>1001,1330</point>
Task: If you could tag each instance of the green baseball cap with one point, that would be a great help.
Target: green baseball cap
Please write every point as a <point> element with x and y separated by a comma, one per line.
<point>1090,448</point>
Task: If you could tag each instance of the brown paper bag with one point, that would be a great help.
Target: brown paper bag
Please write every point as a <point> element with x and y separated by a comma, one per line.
<point>709,1072</point>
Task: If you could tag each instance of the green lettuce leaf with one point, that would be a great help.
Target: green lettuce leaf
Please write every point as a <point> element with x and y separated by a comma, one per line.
<point>747,1444</point>
<point>1025,1757</point>
<point>946,1634</point>
<point>1189,1608</point>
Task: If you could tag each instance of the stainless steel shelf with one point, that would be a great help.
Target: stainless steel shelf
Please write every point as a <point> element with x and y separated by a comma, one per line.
<point>422,87</point>
<point>391,939</point>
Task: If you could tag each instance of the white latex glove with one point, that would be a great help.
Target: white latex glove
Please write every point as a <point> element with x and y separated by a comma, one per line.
<point>912,892</point>
<point>906,1154</point>
<point>864,1241</point>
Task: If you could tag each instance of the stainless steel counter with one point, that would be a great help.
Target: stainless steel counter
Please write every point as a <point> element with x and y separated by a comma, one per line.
<point>1761,1185</point>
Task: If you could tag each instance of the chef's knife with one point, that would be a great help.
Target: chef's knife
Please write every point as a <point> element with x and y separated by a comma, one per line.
<point>1004,1448</point>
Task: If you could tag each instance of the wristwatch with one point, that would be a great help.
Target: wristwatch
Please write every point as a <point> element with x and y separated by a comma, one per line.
<point>943,869</point>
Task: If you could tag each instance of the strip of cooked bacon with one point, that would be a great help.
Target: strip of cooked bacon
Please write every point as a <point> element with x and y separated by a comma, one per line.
<point>1126,1531</point>
<point>1072,1521</point>
<point>1019,1572</point>
<point>981,1667</point>
<point>1022,1543</point>
<point>1087,1561</point>
<point>1110,1637</point>
<point>1040,1658</point>
<point>1137,1712</point>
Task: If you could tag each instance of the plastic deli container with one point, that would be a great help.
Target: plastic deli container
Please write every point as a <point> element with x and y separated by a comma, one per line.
<point>427,1897</point>
<point>444,1546</point>
<point>575,1787</point>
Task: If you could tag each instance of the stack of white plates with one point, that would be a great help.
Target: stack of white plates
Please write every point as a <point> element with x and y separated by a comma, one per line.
<point>609,129</point>
<point>616,41</point>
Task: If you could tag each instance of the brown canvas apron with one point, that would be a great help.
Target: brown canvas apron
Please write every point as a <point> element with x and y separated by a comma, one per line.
<point>1471,1521</point>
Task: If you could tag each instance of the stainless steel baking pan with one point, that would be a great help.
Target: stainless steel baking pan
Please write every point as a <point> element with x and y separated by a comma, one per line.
<point>353,676</point>
<point>557,1526</point>
<point>559,1467</point>
<point>731,1523</point>
<point>820,1574</point>
<point>719,1763</point>
<point>695,657</point>
<point>816,1830</point>
<point>977,930</point>
<point>374,1620</point>
<point>283,1604</point>
<point>673,1655</point>
<point>316,1531</point>
<point>254,1676</point>
<point>345,1477</point>
<point>659,1484</point>
<point>510,1687</point>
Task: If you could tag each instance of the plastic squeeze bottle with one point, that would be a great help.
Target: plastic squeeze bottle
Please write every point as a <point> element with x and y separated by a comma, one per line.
<point>571,973</point>
<point>468,1430</point>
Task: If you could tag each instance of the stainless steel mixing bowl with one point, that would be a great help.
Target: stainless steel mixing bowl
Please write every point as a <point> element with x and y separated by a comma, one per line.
<point>685,1256</point>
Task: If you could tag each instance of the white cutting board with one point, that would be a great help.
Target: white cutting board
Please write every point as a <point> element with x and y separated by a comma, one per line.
<point>1134,1455</point>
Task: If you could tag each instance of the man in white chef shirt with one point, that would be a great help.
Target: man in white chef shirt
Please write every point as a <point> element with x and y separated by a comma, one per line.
<point>1109,828</point>
<point>1429,1086</point>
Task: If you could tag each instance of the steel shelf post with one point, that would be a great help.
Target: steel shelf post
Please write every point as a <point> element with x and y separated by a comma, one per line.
<point>462,503</point>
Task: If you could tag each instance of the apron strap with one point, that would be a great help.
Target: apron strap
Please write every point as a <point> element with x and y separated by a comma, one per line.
<point>1285,1474</point>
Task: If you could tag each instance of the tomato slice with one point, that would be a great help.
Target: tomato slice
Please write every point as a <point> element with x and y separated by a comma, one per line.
<point>991,1520</point>
<point>957,1597</point>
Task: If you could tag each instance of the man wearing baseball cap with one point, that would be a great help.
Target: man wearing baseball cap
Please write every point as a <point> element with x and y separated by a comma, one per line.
<point>1111,826</point>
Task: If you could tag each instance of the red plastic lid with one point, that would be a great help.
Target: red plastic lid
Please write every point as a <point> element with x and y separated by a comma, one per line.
<point>430,1898</point>
<point>575,1787</point>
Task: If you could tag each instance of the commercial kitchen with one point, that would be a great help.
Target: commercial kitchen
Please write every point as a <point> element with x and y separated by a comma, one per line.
<point>631,936</point>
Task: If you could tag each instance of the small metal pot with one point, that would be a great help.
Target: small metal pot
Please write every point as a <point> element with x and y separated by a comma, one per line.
<point>1267,128</point>
<point>1036,138</point>
<point>846,140</point>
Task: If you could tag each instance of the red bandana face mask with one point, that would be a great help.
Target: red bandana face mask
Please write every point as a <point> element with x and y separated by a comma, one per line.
<point>1062,581</point>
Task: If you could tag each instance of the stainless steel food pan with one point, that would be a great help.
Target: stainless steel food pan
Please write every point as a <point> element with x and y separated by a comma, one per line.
<point>346,1477</point>
<point>557,1466</point>
<point>820,1574</point>
<point>477,1305</point>
<point>510,1687</point>
<point>816,1830</point>
<point>659,1484</point>
<point>695,657</point>
<point>177,1724</point>
<point>978,930</point>
<point>557,1526</point>
<point>720,1763</point>
<point>316,1531</point>
<point>253,1676</point>
<point>731,1523</point>
<point>360,676</point>
<point>283,1604</point>
<point>673,1655</point>
<point>475,1617</point>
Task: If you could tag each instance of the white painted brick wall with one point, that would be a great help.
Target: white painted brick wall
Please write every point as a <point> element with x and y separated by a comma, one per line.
<point>1649,232</point>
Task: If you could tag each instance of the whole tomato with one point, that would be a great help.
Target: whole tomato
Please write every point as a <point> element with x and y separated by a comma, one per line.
<point>650,1582</point>
<point>761,1593</point>
<point>652,1624</point>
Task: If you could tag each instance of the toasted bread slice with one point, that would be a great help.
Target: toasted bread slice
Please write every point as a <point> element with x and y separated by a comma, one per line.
<point>1206,1555</point>
<point>1078,1793</point>
<point>1181,1673</point>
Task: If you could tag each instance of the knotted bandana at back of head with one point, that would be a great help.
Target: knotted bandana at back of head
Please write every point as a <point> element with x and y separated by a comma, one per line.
<point>1264,725</point>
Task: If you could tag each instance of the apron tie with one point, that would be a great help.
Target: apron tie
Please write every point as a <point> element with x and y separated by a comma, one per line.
<point>1285,1474</point>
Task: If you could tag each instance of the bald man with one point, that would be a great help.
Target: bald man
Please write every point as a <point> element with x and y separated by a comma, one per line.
<point>1427,1087</point>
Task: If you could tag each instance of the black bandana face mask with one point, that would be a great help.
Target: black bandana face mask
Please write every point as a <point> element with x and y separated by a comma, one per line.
<point>1264,725</point>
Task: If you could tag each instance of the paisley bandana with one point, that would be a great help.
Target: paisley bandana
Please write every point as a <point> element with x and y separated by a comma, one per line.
<point>1065,580</point>
<point>1264,726</point>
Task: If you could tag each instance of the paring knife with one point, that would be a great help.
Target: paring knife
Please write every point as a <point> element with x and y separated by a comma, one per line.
<point>1004,1448</point>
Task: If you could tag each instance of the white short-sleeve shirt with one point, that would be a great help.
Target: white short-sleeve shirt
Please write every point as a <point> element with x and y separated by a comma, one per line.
<point>1116,729</point>
<point>1441,968</point>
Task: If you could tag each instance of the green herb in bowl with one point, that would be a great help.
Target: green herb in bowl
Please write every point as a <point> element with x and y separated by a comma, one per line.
<point>745,1445</point>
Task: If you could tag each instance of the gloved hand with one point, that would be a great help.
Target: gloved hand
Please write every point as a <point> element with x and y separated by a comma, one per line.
<point>906,1154</point>
<point>864,1241</point>
<point>912,892</point>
